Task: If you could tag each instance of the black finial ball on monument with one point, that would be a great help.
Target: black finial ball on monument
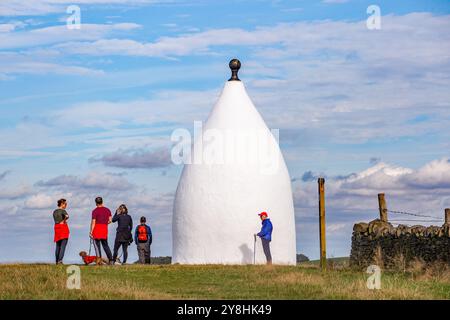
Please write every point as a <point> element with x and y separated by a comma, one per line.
<point>235,65</point>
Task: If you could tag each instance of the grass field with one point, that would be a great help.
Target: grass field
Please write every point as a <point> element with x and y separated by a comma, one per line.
<point>304,281</point>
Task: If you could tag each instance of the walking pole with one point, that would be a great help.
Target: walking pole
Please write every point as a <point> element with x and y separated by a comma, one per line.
<point>254,250</point>
<point>90,246</point>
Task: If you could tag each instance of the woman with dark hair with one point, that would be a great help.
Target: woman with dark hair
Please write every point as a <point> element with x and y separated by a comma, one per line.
<point>61,229</point>
<point>123,235</point>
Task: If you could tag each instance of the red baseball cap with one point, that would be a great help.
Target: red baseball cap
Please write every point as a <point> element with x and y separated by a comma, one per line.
<point>263,214</point>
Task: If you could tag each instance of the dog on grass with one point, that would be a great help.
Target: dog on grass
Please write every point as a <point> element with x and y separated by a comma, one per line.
<point>91,259</point>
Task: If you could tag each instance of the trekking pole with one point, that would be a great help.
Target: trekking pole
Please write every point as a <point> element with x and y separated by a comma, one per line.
<point>254,249</point>
<point>90,246</point>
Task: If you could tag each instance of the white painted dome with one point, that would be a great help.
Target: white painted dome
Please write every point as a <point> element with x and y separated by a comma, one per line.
<point>217,201</point>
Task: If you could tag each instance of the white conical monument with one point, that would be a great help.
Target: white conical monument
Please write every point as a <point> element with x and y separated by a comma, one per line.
<point>231,179</point>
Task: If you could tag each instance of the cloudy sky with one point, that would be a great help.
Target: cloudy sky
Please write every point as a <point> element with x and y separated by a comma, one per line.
<point>90,111</point>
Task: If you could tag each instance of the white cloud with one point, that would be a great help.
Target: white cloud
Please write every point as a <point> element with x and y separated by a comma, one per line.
<point>335,1</point>
<point>93,180</point>
<point>26,138</point>
<point>362,72</point>
<point>195,43</point>
<point>302,38</point>
<point>335,227</point>
<point>7,27</point>
<point>434,175</point>
<point>57,34</point>
<point>9,210</point>
<point>39,201</point>
<point>42,68</point>
<point>16,24</point>
<point>14,193</point>
<point>43,7</point>
<point>38,59</point>
<point>165,106</point>
<point>136,158</point>
<point>423,190</point>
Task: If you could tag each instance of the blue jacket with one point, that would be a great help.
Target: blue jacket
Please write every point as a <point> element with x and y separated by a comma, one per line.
<point>149,233</point>
<point>266,230</point>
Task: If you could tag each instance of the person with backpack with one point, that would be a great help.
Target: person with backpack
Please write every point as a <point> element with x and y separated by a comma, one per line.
<point>61,230</point>
<point>123,232</point>
<point>143,239</point>
<point>101,218</point>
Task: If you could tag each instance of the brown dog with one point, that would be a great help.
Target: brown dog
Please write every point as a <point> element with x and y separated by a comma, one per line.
<point>90,259</point>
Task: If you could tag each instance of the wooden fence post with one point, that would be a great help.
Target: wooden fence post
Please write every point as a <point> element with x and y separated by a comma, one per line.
<point>447,216</point>
<point>382,207</point>
<point>323,250</point>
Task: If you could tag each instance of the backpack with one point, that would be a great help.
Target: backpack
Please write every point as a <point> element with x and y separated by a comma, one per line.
<point>142,233</point>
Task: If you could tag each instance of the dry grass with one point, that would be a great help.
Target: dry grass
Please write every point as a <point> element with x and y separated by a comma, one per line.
<point>417,266</point>
<point>221,282</point>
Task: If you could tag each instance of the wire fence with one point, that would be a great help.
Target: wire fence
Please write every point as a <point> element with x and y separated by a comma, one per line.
<point>427,218</point>
<point>414,214</point>
<point>421,220</point>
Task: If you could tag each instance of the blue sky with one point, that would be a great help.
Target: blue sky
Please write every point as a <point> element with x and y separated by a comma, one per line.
<point>368,109</point>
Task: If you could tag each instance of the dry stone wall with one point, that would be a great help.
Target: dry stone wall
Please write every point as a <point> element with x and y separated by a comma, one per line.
<point>379,242</point>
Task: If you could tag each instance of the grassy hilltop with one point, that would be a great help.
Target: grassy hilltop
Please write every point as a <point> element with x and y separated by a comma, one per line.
<point>304,281</point>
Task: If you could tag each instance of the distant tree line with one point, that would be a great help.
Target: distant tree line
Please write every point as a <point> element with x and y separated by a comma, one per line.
<point>302,258</point>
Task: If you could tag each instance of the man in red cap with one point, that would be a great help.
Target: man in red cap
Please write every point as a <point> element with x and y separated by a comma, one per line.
<point>266,235</point>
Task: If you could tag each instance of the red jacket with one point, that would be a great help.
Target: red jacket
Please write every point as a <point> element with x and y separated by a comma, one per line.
<point>61,231</point>
<point>100,231</point>
<point>89,259</point>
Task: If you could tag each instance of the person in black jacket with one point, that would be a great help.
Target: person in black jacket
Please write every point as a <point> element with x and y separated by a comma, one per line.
<point>123,235</point>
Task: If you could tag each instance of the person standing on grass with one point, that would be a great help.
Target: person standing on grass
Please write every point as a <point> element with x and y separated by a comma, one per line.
<point>266,235</point>
<point>123,234</point>
<point>101,217</point>
<point>61,229</point>
<point>143,238</point>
